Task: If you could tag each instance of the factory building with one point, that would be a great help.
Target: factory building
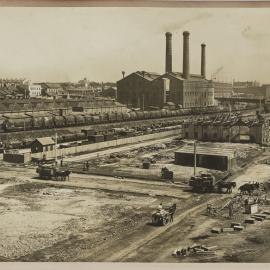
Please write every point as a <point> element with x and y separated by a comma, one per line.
<point>135,90</point>
<point>230,129</point>
<point>222,89</point>
<point>143,89</point>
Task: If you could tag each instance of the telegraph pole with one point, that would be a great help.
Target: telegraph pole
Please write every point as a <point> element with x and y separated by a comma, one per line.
<point>55,147</point>
<point>195,155</point>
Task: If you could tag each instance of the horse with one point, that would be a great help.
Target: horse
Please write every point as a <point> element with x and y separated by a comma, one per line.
<point>249,188</point>
<point>228,185</point>
<point>63,175</point>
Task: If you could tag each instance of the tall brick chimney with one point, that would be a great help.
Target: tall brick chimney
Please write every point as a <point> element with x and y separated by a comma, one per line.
<point>168,60</point>
<point>203,69</point>
<point>186,55</point>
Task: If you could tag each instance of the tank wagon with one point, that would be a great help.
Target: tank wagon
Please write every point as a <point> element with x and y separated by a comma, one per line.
<point>47,120</point>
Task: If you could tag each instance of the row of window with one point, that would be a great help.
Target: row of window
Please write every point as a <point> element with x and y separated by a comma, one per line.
<point>196,104</point>
<point>197,93</point>
<point>34,93</point>
<point>48,148</point>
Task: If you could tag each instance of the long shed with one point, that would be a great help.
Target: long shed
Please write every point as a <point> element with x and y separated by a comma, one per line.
<point>206,157</point>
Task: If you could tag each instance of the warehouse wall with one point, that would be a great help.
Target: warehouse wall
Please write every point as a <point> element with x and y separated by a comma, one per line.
<point>17,158</point>
<point>214,162</point>
<point>99,146</point>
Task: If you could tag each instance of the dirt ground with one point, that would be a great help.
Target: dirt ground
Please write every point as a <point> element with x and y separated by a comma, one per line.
<point>129,162</point>
<point>104,219</point>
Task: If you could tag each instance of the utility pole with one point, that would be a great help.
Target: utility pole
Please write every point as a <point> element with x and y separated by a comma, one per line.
<point>55,147</point>
<point>195,156</point>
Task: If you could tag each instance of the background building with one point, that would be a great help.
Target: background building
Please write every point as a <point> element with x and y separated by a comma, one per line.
<point>34,90</point>
<point>222,89</point>
<point>52,89</point>
<point>247,88</point>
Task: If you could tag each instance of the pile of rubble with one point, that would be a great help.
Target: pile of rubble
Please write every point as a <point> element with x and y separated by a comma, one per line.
<point>194,250</point>
<point>235,226</point>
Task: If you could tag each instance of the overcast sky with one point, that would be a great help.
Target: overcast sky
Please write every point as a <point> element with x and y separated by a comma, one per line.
<point>67,44</point>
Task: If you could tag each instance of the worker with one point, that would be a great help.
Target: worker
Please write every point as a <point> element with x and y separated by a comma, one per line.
<point>62,162</point>
<point>160,207</point>
<point>172,211</point>
<point>230,210</point>
<point>87,165</point>
<point>209,208</point>
<point>171,216</point>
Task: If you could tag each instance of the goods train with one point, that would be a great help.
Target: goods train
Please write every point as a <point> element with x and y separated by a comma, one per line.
<point>36,121</point>
<point>86,136</point>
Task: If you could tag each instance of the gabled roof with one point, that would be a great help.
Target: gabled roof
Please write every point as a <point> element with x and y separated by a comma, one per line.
<point>45,141</point>
<point>179,76</point>
<point>149,76</point>
<point>51,85</point>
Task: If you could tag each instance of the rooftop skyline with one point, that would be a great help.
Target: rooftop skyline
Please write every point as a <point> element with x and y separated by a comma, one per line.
<point>67,44</point>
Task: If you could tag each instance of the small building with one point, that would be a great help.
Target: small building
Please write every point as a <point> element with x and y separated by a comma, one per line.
<point>79,92</point>
<point>34,90</point>
<point>109,92</point>
<point>17,156</point>
<point>52,89</point>
<point>206,157</point>
<point>43,145</point>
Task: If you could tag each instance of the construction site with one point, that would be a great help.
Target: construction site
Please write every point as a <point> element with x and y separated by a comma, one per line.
<point>171,169</point>
<point>107,208</point>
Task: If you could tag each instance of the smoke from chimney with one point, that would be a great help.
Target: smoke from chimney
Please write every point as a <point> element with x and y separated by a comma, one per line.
<point>168,59</point>
<point>203,68</point>
<point>186,55</point>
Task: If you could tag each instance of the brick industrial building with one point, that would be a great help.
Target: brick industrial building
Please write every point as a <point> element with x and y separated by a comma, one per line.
<point>230,129</point>
<point>143,89</point>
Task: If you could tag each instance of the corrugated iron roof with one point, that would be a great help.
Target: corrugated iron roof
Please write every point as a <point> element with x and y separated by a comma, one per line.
<point>179,75</point>
<point>45,141</point>
<point>212,151</point>
<point>148,75</point>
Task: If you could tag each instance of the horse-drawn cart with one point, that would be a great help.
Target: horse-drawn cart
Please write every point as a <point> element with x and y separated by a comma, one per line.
<point>53,172</point>
<point>163,216</point>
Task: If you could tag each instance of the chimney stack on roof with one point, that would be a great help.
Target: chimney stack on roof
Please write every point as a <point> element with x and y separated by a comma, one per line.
<point>168,60</point>
<point>203,69</point>
<point>186,55</point>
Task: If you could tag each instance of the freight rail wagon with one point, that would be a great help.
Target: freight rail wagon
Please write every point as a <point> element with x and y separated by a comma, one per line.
<point>34,120</point>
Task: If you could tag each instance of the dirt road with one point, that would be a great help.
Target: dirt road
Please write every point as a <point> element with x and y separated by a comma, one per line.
<point>158,232</point>
<point>97,218</point>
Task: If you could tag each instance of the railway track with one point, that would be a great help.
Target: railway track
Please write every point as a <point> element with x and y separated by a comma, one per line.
<point>105,126</point>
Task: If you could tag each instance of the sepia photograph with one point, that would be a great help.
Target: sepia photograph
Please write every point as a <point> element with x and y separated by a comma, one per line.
<point>135,134</point>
